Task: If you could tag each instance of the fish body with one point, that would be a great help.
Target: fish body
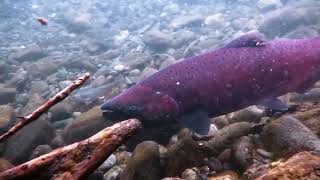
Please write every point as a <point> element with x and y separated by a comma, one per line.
<point>245,72</point>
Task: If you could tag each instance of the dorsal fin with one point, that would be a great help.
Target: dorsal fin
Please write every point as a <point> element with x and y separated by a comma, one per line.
<point>250,39</point>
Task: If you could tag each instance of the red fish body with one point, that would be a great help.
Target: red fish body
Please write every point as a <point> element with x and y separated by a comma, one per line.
<point>245,72</point>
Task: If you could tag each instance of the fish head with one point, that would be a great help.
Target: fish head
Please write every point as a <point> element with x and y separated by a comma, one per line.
<point>141,102</point>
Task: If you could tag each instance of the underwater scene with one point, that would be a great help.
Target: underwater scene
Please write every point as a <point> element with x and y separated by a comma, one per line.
<point>160,89</point>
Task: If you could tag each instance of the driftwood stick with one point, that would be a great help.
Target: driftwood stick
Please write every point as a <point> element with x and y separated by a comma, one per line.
<point>45,107</point>
<point>77,160</point>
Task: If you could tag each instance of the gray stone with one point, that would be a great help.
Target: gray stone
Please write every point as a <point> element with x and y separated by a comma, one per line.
<point>113,174</point>
<point>157,40</point>
<point>148,71</point>
<point>186,21</point>
<point>20,145</point>
<point>39,87</point>
<point>29,53</point>
<point>40,150</point>
<point>7,95</point>
<point>108,164</point>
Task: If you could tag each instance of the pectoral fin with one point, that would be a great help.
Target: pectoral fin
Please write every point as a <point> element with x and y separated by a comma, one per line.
<point>197,121</point>
<point>273,103</point>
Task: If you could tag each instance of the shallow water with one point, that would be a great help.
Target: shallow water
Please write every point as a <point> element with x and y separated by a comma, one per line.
<point>120,43</point>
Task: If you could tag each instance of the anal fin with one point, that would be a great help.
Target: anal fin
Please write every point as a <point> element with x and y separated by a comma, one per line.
<point>197,121</point>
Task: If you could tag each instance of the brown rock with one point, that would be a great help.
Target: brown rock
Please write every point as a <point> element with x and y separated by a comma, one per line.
<point>20,145</point>
<point>303,165</point>
<point>7,117</point>
<point>287,136</point>
<point>225,175</point>
<point>310,118</point>
<point>85,125</point>
<point>185,154</point>
<point>7,94</point>
<point>5,165</point>
<point>243,152</point>
<point>144,163</point>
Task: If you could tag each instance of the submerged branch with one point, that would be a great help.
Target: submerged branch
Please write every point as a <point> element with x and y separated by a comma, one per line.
<point>77,160</point>
<point>45,107</point>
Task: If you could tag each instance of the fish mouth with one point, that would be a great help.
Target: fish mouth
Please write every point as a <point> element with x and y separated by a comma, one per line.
<point>117,113</point>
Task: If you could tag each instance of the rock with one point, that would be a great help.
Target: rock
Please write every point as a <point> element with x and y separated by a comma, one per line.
<point>40,150</point>
<point>84,126</point>
<point>7,95</point>
<point>64,84</point>
<point>92,46</point>
<point>160,133</point>
<point>264,153</point>
<point>148,71</point>
<point>62,110</point>
<point>185,154</point>
<point>227,175</point>
<point>4,69</point>
<point>266,5</point>
<point>81,63</point>
<point>7,117</point>
<point>34,102</point>
<point>38,87</point>
<point>249,114</point>
<point>182,38</point>
<point>123,158</point>
<point>303,165</point>
<point>214,164</point>
<point>108,164</point>
<point>20,145</point>
<point>310,118</point>
<point>109,55</point>
<point>216,21</point>
<point>135,60</point>
<point>225,155</point>
<point>157,40</point>
<point>19,79</point>
<point>5,165</point>
<point>190,174</point>
<point>57,141</point>
<point>44,67</point>
<point>220,121</point>
<point>186,21</point>
<point>96,175</point>
<point>167,62</point>
<point>303,32</point>
<point>243,150</point>
<point>61,123</point>
<point>287,136</point>
<point>282,21</point>
<point>224,137</point>
<point>31,52</point>
<point>144,163</point>
<point>113,174</point>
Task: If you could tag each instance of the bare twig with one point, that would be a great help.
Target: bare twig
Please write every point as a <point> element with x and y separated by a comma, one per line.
<point>45,107</point>
<point>77,160</point>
